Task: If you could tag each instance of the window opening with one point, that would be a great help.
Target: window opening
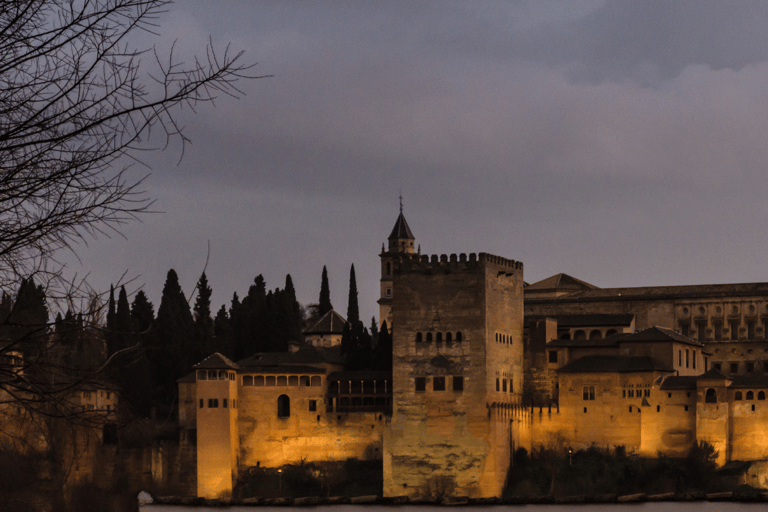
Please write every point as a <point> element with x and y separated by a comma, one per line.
<point>283,406</point>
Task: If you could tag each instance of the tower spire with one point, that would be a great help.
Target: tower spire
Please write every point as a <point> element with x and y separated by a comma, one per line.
<point>401,202</point>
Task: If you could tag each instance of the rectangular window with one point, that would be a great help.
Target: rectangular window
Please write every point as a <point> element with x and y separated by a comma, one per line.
<point>735,330</point>
<point>658,408</point>
<point>312,405</point>
<point>718,331</point>
<point>685,327</point>
<point>224,403</point>
<point>421,383</point>
<point>588,393</point>
<point>718,366</point>
<point>686,408</point>
<point>750,367</point>
<point>504,385</point>
<point>694,359</point>
<point>687,358</point>
<point>751,329</point>
<point>458,383</point>
<point>734,367</point>
<point>438,384</point>
<point>706,363</point>
<point>679,358</point>
<point>623,393</point>
<point>553,356</point>
<point>201,403</point>
<point>213,403</point>
<point>497,384</point>
<point>701,331</point>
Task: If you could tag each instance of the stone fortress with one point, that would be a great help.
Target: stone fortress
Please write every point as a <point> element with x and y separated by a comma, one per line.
<point>485,363</point>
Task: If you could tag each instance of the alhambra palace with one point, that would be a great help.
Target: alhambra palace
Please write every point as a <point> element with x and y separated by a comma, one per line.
<point>485,363</point>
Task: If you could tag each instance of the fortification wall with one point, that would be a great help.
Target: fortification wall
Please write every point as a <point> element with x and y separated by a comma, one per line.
<point>270,441</point>
<point>669,424</point>
<point>747,429</point>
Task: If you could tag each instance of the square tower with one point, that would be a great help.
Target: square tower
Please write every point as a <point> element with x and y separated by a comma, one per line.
<point>457,374</point>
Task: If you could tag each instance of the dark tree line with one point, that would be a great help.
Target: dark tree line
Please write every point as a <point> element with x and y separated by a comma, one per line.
<point>144,353</point>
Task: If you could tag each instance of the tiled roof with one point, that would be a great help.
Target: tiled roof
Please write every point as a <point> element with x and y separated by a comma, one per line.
<point>677,382</point>
<point>749,381</point>
<point>329,323</point>
<point>216,361</point>
<point>305,355</point>
<point>712,373</point>
<point>614,364</point>
<point>361,375</point>
<point>610,341</point>
<point>659,292</point>
<point>560,282</point>
<point>188,378</point>
<point>656,333</point>
<point>285,368</point>
<point>600,319</point>
<point>401,229</point>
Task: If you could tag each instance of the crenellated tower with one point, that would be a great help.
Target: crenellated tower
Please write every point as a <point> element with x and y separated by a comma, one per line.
<point>400,241</point>
<point>457,378</point>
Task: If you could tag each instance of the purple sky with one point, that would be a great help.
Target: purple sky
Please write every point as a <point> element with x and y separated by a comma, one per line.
<point>624,143</point>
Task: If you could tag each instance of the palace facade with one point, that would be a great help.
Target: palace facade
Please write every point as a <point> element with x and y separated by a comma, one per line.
<point>483,364</point>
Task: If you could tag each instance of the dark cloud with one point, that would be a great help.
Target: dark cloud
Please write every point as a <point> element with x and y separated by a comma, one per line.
<point>621,142</point>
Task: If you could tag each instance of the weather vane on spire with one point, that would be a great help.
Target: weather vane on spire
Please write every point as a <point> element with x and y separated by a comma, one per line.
<point>401,201</point>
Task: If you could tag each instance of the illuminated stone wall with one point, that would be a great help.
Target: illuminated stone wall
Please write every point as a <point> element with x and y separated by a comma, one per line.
<point>447,438</point>
<point>269,440</point>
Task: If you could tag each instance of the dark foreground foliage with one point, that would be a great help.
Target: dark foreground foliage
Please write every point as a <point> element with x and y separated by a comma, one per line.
<point>352,477</point>
<point>597,471</point>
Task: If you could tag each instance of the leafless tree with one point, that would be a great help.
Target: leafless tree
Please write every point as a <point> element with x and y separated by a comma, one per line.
<point>78,105</point>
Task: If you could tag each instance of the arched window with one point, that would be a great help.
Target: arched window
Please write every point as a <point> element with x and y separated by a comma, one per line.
<point>580,335</point>
<point>750,395</point>
<point>711,396</point>
<point>761,395</point>
<point>610,332</point>
<point>448,336</point>
<point>248,380</point>
<point>458,336</point>
<point>565,336</point>
<point>439,336</point>
<point>283,406</point>
<point>429,336</point>
<point>595,335</point>
<point>738,396</point>
<point>419,337</point>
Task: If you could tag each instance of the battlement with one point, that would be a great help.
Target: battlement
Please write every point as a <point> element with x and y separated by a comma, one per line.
<point>417,263</point>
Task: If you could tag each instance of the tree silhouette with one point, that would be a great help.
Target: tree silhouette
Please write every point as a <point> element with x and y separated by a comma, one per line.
<point>324,305</point>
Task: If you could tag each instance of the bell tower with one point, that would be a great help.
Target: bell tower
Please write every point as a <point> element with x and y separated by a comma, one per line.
<point>400,240</point>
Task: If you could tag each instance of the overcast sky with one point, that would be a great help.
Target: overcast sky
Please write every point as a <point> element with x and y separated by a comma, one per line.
<point>624,143</point>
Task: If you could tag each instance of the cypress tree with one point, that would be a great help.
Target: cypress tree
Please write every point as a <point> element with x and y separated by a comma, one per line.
<point>142,311</point>
<point>221,332</point>
<point>175,330</point>
<point>353,312</point>
<point>111,309</point>
<point>291,311</point>
<point>383,350</point>
<point>202,316</point>
<point>324,305</point>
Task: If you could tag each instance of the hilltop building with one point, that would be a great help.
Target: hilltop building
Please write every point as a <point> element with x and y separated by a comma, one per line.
<point>485,363</point>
